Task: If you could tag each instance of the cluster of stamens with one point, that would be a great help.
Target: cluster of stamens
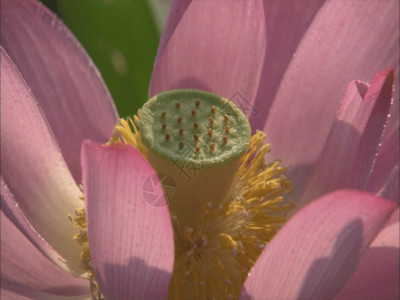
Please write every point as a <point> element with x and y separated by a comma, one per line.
<point>215,248</point>
<point>230,236</point>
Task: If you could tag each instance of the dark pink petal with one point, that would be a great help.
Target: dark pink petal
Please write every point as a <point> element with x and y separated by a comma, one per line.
<point>131,242</point>
<point>22,263</point>
<point>377,275</point>
<point>381,92</point>
<point>62,77</point>
<point>384,176</point>
<point>349,151</point>
<point>315,253</point>
<point>217,46</point>
<point>347,40</point>
<point>33,168</point>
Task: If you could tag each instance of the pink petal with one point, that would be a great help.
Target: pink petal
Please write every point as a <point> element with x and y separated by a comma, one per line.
<point>347,40</point>
<point>353,140</point>
<point>216,46</point>
<point>131,242</point>
<point>315,253</point>
<point>33,168</point>
<point>64,80</point>
<point>22,263</point>
<point>377,275</point>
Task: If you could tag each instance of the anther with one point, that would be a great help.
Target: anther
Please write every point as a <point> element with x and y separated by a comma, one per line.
<point>213,109</point>
<point>212,146</point>
<point>179,119</point>
<point>197,102</point>
<point>181,131</point>
<point>163,114</point>
<point>195,125</point>
<point>197,148</point>
<point>227,129</point>
<point>181,144</point>
<point>226,118</point>
<point>225,139</point>
<point>178,105</point>
<point>167,136</point>
<point>211,120</point>
<point>210,131</point>
<point>196,137</point>
<point>164,126</point>
<point>194,113</point>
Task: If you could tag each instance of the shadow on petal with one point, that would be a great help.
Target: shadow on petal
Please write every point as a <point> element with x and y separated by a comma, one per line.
<point>154,279</point>
<point>337,260</point>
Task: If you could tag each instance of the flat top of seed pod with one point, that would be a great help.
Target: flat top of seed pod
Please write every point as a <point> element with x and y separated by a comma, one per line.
<point>194,128</point>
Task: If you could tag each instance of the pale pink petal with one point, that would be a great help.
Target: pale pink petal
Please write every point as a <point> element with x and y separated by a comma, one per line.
<point>11,209</point>
<point>286,23</point>
<point>377,275</point>
<point>315,253</point>
<point>15,291</point>
<point>22,263</point>
<point>216,46</point>
<point>62,77</point>
<point>347,40</point>
<point>353,139</point>
<point>33,168</point>
<point>131,242</point>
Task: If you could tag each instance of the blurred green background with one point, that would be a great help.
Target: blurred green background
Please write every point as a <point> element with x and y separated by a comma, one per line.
<point>121,36</point>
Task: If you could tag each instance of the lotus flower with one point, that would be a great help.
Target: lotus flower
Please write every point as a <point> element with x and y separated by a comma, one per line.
<point>343,245</point>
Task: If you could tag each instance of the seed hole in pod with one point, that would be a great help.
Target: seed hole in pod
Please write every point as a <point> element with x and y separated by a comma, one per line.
<point>226,118</point>
<point>167,136</point>
<point>196,137</point>
<point>178,105</point>
<point>164,126</point>
<point>163,114</point>
<point>181,144</point>
<point>197,102</point>
<point>197,148</point>
<point>181,131</point>
<point>179,119</point>
<point>225,139</point>
<point>213,109</point>
<point>196,125</point>
<point>211,120</point>
<point>210,131</point>
<point>194,113</point>
<point>227,129</point>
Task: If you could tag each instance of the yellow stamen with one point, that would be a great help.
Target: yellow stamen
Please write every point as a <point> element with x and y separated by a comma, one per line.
<point>213,258</point>
<point>129,136</point>
<point>79,220</point>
